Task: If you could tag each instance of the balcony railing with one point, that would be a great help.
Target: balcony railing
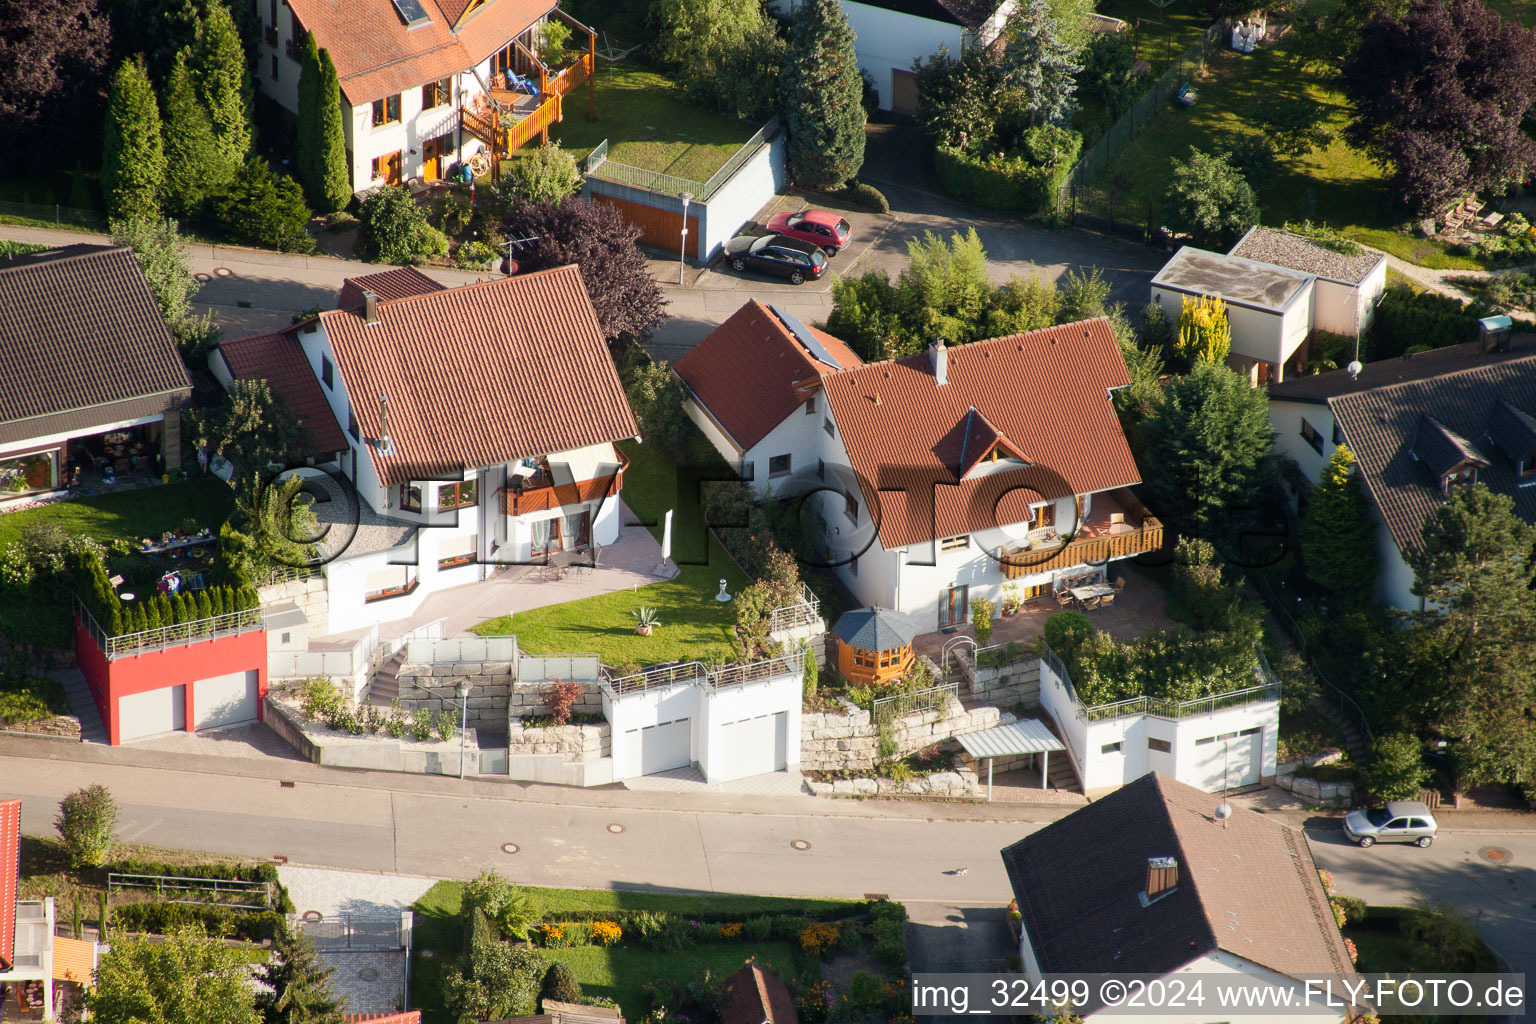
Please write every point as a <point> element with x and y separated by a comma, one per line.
<point>176,635</point>
<point>541,493</point>
<point>1097,549</point>
<point>689,672</point>
<point>1267,687</point>
<point>802,613</point>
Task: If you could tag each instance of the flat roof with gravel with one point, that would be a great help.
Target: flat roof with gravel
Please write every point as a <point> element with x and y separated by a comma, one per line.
<point>1297,252</point>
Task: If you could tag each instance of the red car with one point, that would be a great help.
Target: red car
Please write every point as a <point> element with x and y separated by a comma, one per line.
<point>826,230</point>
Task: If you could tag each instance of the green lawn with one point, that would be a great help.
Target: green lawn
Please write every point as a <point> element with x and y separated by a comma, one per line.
<point>1181,23</point>
<point>618,972</point>
<point>1338,185</point>
<point>1523,11</point>
<point>647,124</point>
<point>694,626</point>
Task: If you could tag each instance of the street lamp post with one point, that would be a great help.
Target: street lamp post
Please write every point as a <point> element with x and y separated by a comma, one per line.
<point>682,252</point>
<point>463,723</point>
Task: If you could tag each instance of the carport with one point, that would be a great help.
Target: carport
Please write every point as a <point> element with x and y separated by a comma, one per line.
<point>1013,740</point>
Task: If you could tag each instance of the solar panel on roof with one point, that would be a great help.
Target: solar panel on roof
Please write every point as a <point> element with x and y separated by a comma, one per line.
<point>803,334</point>
<point>411,12</point>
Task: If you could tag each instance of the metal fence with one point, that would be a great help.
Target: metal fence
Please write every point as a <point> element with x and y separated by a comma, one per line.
<point>802,613</point>
<point>346,932</point>
<point>935,698</point>
<point>688,672</point>
<point>757,671</point>
<point>53,213</point>
<point>598,165</point>
<point>211,889</point>
<point>228,624</point>
<point>1267,688</point>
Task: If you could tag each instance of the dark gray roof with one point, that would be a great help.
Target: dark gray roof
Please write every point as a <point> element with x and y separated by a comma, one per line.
<point>1249,888</point>
<point>968,13</point>
<point>1381,426</point>
<point>1319,387</point>
<point>80,330</point>
<point>1512,430</point>
<point>1441,449</point>
<point>875,629</point>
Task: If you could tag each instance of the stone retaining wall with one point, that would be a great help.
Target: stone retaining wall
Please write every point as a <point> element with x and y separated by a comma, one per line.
<point>850,741</point>
<point>493,693</point>
<point>572,742</point>
<point>959,783</point>
<point>379,752</point>
<point>1018,683</point>
<point>1292,777</point>
<point>64,727</point>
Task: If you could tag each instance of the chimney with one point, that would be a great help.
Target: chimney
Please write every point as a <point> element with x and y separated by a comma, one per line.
<point>370,307</point>
<point>938,355</point>
<point>1162,878</point>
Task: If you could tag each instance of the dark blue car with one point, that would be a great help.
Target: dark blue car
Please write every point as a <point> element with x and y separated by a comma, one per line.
<point>779,255</point>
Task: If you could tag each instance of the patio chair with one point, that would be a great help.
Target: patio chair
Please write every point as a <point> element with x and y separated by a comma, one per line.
<point>1106,600</point>
<point>1064,598</point>
<point>1118,583</point>
<point>1092,604</point>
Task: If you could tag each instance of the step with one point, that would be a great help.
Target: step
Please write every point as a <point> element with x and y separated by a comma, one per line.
<point>384,687</point>
<point>82,703</point>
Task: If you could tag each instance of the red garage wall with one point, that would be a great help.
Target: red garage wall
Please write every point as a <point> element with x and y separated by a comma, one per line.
<point>183,664</point>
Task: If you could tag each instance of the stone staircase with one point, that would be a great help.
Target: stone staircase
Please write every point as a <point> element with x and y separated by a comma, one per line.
<point>82,704</point>
<point>1062,773</point>
<point>1348,726</point>
<point>384,687</point>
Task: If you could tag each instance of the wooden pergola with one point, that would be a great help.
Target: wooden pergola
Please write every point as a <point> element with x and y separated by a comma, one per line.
<point>874,644</point>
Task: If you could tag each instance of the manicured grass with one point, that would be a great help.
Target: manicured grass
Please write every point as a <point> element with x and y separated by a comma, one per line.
<point>1396,278</point>
<point>1523,11</point>
<point>1338,185</point>
<point>694,626</point>
<point>1159,45</point>
<point>617,972</point>
<point>620,973</point>
<point>129,515</point>
<point>643,116</point>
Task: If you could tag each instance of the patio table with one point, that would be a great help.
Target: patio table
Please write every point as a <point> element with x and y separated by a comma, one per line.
<point>1092,592</point>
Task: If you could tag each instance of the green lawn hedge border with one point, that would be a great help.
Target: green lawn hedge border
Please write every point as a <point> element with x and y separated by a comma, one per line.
<point>1001,182</point>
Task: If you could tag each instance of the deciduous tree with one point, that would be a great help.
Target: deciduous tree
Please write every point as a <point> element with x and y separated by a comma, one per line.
<point>957,101</point>
<point>1396,770</point>
<point>52,59</point>
<point>1337,534</point>
<point>161,252</point>
<point>393,229</point>
<point>133,155</point>
<point>822,96</point>
<point>219,66</point>
<point>1210,199</point>
<point>253,429</point>
<point>189,978</point>
<point>1439,93</point>
<point>597,238</point>
<point>87,823</point>
<point>194,165</point>
<point>544,175</point>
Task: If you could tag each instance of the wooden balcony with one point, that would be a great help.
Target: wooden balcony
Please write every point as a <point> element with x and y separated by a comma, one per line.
<point>540,492</point>
<point>512,118</point>
<point>1118,527</point>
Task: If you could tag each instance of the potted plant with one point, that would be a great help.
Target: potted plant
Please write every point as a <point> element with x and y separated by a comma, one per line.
<point>645,620</point>
<point>1010,600</point>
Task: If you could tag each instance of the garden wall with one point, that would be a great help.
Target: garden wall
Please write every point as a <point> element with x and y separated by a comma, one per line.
<point>309,595</point>
<point>1018,683</point>
<point>582,743</point>
<point>320,745</point>
<point>64,727</point>
<point>850,741</point>
<point>493,694</point>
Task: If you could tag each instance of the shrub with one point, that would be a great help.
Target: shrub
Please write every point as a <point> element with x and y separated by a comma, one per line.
<point>1065,631</point>
<point>263,208</point>
<point>508,905</point>
<point>544,175</point>
<point>223,922</point>
<point>562,696</point>
<point>757,929</point>
<point>890,940</point>
<point>319,698</point>
<point>395,230</point>
<point>1204,334</point>
<point>1404,319</point>
<point>606,933</point>
<point>788,927</point>
<point>865,195</point>
<point>982,611</point>
<point>560,984</point>
<point>1397,768</point>
<point>816,939</point>
<point>865,990</point>
<point>663,932</point>
<point>475,255</point>
<point>1002,181</point>
<point>87,823</point>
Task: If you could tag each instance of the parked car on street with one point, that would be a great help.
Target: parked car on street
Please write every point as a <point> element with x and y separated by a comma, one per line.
<point>826,231</point>
<point>1400,821</point>
<point>779,255</point>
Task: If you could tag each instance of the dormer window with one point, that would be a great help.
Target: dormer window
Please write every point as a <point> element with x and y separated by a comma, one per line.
<point>1464,477</point>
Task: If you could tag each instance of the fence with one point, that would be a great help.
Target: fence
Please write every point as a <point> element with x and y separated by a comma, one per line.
<point>802,613</point>
<point>580,668</point>
<point>53,213</point>
<point>454,649</point>
<point>689,672</point>
<point>213,887</point>
<point>1330,692</point>
<point>935,698</point>
<point>287,574</point>
<point>346,932</point>
<point>598,165</point>
<point>757,671</point>
<point>228,624</point>
<point>1267,688</point>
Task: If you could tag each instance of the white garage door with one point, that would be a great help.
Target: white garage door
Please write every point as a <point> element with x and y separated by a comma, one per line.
<point>1238,764</point>
<point>151,713</point>
<point>752,746</point>
<point>660,747</point>
<point>224,700</point>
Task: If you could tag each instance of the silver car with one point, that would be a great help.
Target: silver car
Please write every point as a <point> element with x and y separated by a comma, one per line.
<point>1401,821</point>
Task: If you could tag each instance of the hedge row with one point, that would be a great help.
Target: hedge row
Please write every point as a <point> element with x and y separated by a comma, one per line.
<point>236,872</point>
<point>163,918</point>
<point>837,912</point>
<point>1000,182</point>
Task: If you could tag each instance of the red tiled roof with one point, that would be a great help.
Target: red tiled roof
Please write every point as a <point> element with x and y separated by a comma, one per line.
<point>278,359</point>
<point>981,439</point>
<point>386,284</point>
<point>1046,391</point>
<point>756,996</point>
<point>10,869</point>
<point>751,372</point>
<point>481,375</point>
<point>377,55</point>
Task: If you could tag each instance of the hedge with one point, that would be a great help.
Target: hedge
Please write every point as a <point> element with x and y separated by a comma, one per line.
<point>221,922</point>
<point>1001,181</point>
<point>788,923</point>
<point>236,872</point>
<point>1404,320</point>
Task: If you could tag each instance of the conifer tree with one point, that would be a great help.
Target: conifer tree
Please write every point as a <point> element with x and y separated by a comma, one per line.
<point>322,146</point>
<point>300,983</point>
<point>1337,535</point>
<point>219,68</point>
<point>194,164</point>
<point>133,158</point>
<point>823,97</point>
<point>1042,62</point>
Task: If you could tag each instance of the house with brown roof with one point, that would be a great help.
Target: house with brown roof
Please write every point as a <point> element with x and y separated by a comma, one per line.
<point>891,34</point>
<point>1419,427</point>
<point>1149,880</point>
<point>459,429</point>
<point>426,84</point>
<point>91,384</point>
<point>938,478</point>
<point>754,995</point>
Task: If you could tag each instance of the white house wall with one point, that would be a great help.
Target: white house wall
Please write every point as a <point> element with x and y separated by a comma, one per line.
<point>284,88</point>
<point>650,707</point>
<point>1337,307</point>
<point>780,694</point>
<point>316,346</point>
<point>1286,418</point>
<point>717,437</point>
<point>737,201</point>
<point>1220,967</point>
<point>800,437</point>
<point>886,41</point>
<point>1269,336</point>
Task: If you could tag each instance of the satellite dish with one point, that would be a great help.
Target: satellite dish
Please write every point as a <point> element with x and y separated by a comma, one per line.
<point>1354,368</point>
<point>1223,811</point>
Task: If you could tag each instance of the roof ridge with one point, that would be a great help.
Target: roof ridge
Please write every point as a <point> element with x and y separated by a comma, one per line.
<point>93,251</point>
<point>1475,368</point>
<point>966,346</point>
<point>456,289</point>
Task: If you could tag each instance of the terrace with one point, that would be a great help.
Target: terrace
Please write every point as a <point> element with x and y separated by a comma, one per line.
<point>1117,526</point>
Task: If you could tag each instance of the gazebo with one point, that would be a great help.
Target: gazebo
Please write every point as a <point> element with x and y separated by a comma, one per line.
<point>874,644</point>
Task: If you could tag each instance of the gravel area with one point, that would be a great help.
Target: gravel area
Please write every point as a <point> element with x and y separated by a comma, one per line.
<point>1284,249</point>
